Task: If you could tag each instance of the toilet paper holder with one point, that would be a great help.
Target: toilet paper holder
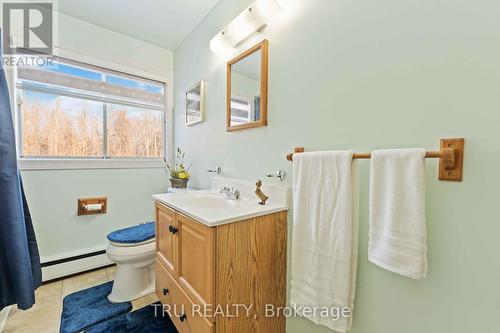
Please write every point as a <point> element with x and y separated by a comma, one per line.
<point>90,206</point>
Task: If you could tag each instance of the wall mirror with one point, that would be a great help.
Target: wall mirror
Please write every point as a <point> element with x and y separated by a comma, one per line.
<point>195,104</point>
<point>247,76</point>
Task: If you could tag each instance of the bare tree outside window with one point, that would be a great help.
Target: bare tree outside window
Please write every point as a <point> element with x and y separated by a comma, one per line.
<point>61,127</point>
<point>133,132</point>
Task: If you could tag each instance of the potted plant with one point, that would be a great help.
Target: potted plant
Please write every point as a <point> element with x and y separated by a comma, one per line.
<point>179,176</point>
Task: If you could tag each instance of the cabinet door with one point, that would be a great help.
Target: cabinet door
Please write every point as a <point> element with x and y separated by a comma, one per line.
<point>181,310</point>
<point>166,237</point>
<point>196,266</point>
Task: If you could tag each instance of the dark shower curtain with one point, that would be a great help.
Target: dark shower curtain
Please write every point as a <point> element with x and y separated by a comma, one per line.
<point>20,272</point>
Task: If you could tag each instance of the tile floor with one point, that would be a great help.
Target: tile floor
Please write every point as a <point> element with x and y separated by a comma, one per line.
<point>45,315</point>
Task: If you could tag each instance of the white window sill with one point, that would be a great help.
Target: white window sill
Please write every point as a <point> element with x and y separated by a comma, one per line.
<point>85,164</point>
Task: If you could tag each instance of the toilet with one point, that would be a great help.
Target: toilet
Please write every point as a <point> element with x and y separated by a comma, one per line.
<point>133,251</point>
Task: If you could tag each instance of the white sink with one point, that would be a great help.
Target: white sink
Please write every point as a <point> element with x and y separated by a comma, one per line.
<point>204,200</point>
<point>212,208</point>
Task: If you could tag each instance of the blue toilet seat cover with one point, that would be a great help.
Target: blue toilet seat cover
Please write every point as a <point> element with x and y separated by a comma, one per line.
<point>136,234</point>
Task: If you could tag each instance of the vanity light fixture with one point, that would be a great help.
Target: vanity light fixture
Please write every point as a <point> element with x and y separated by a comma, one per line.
<point>252,19</point>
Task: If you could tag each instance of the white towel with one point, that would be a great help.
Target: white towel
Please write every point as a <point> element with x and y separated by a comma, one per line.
<point>325,236</point>
<point>397,237</point>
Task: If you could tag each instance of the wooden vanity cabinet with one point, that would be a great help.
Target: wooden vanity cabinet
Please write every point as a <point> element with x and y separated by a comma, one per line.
<point>205,275</point>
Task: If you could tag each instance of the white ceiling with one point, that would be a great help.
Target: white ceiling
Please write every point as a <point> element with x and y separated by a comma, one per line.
<point>161,22</point>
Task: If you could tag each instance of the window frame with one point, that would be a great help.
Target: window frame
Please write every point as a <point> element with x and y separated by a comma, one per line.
<point>101,162</point>
<point>251,110</point>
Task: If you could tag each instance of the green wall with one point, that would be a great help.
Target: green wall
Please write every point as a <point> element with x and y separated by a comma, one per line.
<point>366,75</point>
<point>52,198</point>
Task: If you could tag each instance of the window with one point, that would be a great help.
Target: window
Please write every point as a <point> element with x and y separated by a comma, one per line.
<point>241,111</point>
<point>73,110</point>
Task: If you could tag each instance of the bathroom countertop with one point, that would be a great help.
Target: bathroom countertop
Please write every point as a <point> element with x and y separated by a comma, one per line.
<point>212,208</point>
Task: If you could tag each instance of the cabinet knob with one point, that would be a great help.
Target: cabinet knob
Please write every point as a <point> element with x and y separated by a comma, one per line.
<point>183,317</point>
<point>165,291</point>
<point>172,229</point>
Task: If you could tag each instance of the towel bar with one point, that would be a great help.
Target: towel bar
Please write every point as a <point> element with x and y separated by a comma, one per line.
<point>451,158</point>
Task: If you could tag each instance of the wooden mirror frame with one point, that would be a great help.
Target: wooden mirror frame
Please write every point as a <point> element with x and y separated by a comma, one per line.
<point>264,47</point>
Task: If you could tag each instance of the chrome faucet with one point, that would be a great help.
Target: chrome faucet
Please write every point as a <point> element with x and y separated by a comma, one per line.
<point>217,170</point>
<point>230,192</point>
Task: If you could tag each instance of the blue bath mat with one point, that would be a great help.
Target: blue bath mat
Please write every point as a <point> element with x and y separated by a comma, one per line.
<point>89,307</point>
<point>139,321</point>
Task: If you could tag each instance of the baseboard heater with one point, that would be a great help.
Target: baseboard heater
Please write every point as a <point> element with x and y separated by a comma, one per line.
<point>58,268</point>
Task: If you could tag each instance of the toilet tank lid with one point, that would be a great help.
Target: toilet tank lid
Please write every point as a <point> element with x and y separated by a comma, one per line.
<point>136,234</point>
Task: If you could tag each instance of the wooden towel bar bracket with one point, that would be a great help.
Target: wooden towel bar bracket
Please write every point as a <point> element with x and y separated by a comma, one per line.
<point>451,158</point>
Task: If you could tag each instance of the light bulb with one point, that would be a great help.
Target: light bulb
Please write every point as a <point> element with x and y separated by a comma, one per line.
<point>266,8</point>
<point>218,45</point>
<point>250,20</point>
